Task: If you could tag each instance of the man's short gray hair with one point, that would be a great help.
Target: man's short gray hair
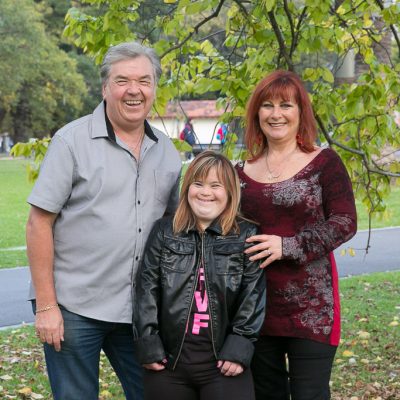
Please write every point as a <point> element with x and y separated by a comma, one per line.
<point>127,51</point>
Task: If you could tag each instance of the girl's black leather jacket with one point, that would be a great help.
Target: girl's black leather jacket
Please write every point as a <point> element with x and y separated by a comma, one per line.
<point>165,287</point>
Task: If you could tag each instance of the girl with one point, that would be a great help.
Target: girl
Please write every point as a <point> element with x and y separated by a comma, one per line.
<point>199,299</point>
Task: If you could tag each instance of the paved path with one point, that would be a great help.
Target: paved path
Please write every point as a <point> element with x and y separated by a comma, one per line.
<point>14,288</point>
<point>384,255</point>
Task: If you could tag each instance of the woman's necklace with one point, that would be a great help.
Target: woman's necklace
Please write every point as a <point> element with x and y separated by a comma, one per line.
<point>272,175</point>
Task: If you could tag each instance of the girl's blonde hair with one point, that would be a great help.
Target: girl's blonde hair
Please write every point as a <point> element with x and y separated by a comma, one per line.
<point>198,171</point>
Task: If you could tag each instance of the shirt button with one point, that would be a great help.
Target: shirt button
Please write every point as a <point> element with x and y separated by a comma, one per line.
<point>138,202</point>
<point>137,258</point>
<point>140,230</point>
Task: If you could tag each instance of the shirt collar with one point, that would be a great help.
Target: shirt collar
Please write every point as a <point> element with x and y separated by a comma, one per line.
<point>110,130</point>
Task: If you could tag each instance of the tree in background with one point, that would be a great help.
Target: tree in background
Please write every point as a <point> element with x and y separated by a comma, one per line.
<point>40,85</point>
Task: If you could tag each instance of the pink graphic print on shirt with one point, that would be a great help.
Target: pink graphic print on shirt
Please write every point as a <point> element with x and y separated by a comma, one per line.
<point>200,315</point>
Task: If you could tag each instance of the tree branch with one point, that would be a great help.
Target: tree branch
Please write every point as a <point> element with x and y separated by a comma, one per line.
<point>392,28</point>
<point>195,29</point>
<point>281,40</point>
<point>360,153</point>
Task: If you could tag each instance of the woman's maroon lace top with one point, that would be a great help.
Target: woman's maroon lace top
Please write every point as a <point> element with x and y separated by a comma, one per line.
<point>314,212</point>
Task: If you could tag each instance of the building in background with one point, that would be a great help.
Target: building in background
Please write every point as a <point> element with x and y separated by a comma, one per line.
<point>203,115</point>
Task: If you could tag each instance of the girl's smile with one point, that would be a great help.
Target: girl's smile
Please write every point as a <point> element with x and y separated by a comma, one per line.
<point>207,199</point>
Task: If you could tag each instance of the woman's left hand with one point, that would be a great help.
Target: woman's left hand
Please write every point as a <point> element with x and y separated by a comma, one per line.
<point>229,368</point>
<point>269,247</point>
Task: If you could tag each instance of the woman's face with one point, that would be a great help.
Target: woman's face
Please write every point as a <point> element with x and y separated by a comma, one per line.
<point>207,199</point>
<point>279,120</point>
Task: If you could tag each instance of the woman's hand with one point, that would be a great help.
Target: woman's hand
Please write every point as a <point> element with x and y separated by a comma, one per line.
<point>229,368</point>
<point>269,247</point>
<point>156,366</point>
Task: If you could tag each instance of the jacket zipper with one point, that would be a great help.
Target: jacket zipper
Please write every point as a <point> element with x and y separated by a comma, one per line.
<point>210,312</point>
<point>190,307</point>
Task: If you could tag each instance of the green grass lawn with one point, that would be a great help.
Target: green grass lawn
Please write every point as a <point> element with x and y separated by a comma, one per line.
<point>367,364</point>
<point>14,190</point>
<point>390,217</point>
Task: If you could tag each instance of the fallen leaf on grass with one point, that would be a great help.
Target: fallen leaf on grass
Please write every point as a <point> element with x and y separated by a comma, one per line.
<point>36,396</point>
<point>26,391</point>
<point>105,394</point>
<point>6,377</point>
<point>394,323</point>
<point>363,335</point>
<point>352,361</point>
<point>347,353</point>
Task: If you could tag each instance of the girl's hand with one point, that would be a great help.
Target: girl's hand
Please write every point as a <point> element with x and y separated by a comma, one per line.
<point>157,366</point>
<point>229,368</point>
<point>269,247</point>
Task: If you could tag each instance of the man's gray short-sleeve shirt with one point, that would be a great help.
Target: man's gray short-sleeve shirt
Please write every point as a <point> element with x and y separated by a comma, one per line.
<point>106,203</point>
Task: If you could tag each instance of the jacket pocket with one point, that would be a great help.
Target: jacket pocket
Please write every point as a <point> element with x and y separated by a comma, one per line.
<point>229,258</point>
<point>177,255</point>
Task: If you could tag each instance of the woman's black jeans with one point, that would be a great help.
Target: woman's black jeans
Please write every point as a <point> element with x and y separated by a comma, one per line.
<point>303,375</point>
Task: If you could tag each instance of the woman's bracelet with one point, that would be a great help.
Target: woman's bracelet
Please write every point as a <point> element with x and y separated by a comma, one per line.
<point>46,308</point>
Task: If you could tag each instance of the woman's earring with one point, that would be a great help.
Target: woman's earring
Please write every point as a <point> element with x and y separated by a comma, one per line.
<point>299,140</point>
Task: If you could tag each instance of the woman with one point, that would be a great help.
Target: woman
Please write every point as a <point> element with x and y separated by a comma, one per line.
<point>302,197</point>
<point>200,301</point>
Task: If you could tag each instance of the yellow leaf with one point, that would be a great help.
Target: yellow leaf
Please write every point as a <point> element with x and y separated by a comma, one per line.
<point>363,320</point>
<point>347,353</point>
<point>394,323</point>
<point>364,361</point>
<point>25,391</point>
<point>338,360</point>
<point>105,394</point>
<point>364,335</point>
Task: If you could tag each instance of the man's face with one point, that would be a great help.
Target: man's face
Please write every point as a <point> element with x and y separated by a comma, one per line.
<point>129,92</point>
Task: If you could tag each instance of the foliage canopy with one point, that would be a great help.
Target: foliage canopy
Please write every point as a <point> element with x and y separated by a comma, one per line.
<point>227,46</point>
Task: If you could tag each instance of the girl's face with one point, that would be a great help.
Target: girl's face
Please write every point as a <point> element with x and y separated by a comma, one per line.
<point>207,199</point>
<point>279,119</point>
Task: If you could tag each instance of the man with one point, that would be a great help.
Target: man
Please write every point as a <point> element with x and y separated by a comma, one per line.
<point>104,181</point>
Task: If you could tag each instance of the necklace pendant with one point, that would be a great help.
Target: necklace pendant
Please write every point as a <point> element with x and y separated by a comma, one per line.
<point>272,177</point>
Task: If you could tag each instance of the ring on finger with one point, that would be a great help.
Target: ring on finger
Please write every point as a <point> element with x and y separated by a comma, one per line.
<point>269,253</point>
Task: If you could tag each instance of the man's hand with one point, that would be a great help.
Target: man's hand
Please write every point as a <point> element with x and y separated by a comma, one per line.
<point>50,327</point>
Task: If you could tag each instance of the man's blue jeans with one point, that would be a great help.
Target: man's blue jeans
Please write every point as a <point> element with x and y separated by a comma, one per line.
<point>74,371</point>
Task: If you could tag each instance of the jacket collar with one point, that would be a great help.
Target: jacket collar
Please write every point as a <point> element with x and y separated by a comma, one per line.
<point>214,227</point>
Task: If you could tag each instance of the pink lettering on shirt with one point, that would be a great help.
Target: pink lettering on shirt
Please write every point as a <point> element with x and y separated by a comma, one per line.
<point>201,317</point>
<point>197,322</point>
